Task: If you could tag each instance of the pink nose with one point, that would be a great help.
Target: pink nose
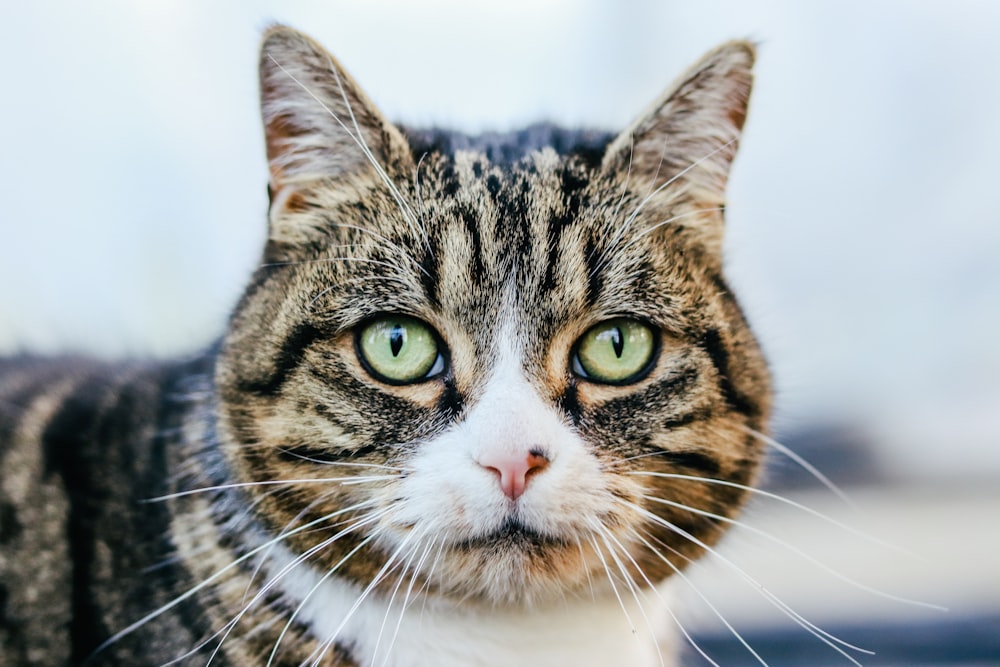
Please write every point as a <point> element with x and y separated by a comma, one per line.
<point>513,470</point>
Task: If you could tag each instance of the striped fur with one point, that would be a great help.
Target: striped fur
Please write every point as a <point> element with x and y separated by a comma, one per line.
<point>306,498</point>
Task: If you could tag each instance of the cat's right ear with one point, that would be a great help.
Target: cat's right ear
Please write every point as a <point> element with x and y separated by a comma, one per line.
<point>317,121</point>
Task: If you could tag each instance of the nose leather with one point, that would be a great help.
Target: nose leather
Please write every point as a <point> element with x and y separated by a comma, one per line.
<point>513,469</point>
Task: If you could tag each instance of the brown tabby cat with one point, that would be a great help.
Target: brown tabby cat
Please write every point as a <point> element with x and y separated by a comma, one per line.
<point>482,396</point>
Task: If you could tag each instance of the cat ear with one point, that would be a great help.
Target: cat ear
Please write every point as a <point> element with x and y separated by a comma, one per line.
<point>317,121</point>
<point>682,147</point>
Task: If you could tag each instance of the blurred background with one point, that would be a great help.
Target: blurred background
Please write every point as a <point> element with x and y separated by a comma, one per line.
<point>864,240</point>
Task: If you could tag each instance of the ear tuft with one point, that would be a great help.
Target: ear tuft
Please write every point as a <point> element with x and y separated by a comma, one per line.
<point>690,134</point>
<point>318,123</point>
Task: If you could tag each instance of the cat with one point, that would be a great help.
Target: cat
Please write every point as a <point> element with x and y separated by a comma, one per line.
<point>481,398</point>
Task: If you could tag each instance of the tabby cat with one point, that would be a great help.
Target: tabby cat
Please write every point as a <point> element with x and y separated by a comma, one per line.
<point>481,398</point>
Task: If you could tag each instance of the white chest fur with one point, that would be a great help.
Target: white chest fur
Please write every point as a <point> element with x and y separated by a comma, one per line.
<point>573,633</point>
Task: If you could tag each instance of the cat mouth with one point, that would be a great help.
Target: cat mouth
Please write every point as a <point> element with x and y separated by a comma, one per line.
<point>512,534</point>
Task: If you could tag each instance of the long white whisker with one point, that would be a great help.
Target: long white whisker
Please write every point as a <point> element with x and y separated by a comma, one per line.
<point>606,535</point>
<point>224,631</point>
<point>343,481</point>
<point>420,203</point>
<point>338,258</point>
<point>429,577</point>
<point>209,580</point>
<point>406,599</point>
<point>301,558</point>
<point>779,498</point>
<point>302,513</point>
<point>586,569</point>
<point>631,218</point>
<point>392,598</point>
<point>376,580</point>
<point>388,243</point>
<point>675,177</point>
<point>611,580</point>
<point>777,540</point>
<point>360,139</point>
<point>824,636</point>
<point>618,207</point>
<point>315,587</point>
<point>802,462</point>
<point>344,464</point>
<point>678,572</point>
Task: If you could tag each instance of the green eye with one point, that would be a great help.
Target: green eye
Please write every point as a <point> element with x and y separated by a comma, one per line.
<point>615,352</point>
<point>399,350</point>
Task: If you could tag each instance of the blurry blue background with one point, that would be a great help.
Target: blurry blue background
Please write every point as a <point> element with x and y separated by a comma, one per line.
<point>864,217</point>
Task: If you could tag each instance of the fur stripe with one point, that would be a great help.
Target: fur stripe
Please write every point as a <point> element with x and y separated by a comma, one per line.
<point>286,361</point>
<point>711,342</point>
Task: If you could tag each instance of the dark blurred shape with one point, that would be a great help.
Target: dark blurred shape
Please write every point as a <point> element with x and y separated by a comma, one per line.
<point>964,642</point>
<point>844,453</point>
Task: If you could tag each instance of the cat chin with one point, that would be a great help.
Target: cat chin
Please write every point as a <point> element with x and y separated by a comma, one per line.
<point>418,628</point>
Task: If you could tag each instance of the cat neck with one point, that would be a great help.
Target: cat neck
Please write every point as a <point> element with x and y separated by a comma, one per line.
<point>436,633</point>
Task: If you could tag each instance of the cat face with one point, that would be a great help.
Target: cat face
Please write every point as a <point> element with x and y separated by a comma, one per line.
<point>508,380</point>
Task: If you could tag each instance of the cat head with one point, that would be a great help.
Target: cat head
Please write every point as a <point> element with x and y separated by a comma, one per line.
<point>502,373</point>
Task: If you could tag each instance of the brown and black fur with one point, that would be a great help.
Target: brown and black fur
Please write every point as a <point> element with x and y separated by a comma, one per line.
<point>452,226</point>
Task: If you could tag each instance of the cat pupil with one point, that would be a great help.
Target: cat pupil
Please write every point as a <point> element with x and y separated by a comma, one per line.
<point>396,339</point>
<point>617,342</point>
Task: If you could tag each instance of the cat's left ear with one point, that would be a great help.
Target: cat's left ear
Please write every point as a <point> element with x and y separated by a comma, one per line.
<point>678,153</point>
<point>318,122</point>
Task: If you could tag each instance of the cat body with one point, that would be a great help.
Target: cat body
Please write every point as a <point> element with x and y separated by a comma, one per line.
<point>480,399</point>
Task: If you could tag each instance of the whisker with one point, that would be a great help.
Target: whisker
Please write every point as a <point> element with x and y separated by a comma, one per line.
<point>403,253</point>
<point>777,540</point>
<point>678,572</point>
<point>425,588</point>
<point>298,560</point>
<point>420,203</point>
<point>330,259</point>
<point>611,580</point>
<point>320,499</point>
<point>343,481</point>
<point>802,462</point>
<point>224,631</point>
<point>315,587</point>
<point>779,498</point>
<point>360,280</point>
<point>406,599</point>
<point>824,636</point>
<point>673,179</point>
<point>344,464</point>
<point>675,218</point>
<point>359,137</point>
<point>607,535</point>
<point>376,580</point>
<point>209,580</point>
<point>586,569</point>
<point>621,198</point>
<point>388,609</point>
